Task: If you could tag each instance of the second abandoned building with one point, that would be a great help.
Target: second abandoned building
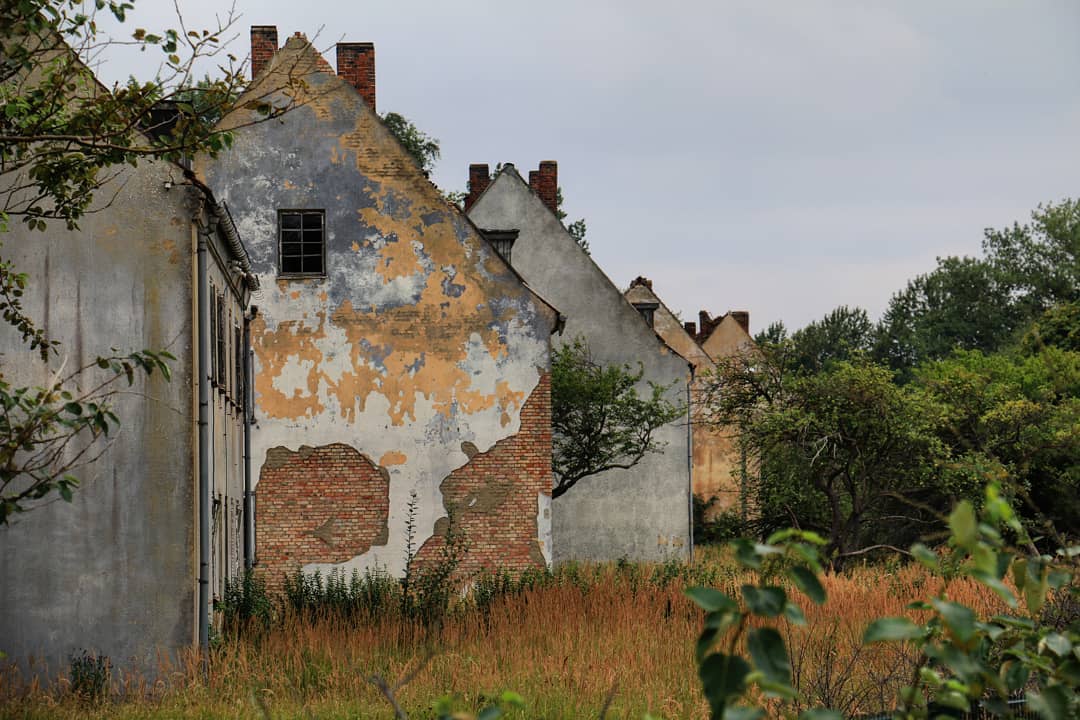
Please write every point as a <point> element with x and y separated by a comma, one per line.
<point>642,513</point>
<point>395,352</point>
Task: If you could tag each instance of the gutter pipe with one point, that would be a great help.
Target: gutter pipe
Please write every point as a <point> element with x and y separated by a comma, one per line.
<point>203,332</point>
<point>249,412</point>
<point>690,458</point>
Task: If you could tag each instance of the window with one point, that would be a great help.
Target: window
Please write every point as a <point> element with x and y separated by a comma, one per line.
<point>301,246</point>
<point>238,348</point>
<point>502,241</point>
<point>219,342</point>
<point>647,310</point>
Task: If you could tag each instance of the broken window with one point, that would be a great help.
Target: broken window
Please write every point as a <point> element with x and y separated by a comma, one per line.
<point>301,242</point>
<point>647,310</point>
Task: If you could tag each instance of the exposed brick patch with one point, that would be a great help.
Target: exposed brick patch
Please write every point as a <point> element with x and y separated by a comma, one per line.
<point>318,505</point>
<point>494,495</point>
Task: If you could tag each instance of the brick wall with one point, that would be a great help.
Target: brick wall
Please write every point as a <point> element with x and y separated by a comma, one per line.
<point>494,496</point>
<point>330,504</point>
<point>326,504</point>
<point>264,43</point>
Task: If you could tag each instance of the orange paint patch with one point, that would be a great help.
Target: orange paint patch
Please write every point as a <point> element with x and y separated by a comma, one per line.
<point>392,458</point>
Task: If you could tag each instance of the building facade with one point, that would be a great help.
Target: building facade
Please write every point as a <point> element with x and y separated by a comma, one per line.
<point>398,360</point>
<point>117,570</point>
<point>642,513</point>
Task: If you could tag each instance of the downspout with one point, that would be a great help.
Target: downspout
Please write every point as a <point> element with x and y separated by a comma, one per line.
<point>204,438</point>
<point>249,412</point>
<point>690,457</point>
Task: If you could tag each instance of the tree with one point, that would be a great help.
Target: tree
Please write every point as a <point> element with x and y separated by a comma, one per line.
<point>841,335</point>
<point>423,148</point>
<point>831,449</point>
<point>576,229</point>
<point>983,303</point>
<point>599,420</point>
<point>63,138</point>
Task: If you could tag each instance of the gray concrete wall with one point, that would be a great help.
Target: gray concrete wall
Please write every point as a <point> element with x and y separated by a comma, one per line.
<point>641,513</point>
<point>112,572</point>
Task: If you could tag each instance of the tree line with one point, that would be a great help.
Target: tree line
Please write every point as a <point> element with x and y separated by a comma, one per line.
<point>868,432</point>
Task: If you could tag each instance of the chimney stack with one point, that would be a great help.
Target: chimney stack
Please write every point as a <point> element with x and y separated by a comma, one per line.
<point>641,280</point>
<point>479,179</point>
<point>545,183</point>
<point>263,46</point>
<point>743,318</point>
<point>356,65</point>
<point>690,328</point>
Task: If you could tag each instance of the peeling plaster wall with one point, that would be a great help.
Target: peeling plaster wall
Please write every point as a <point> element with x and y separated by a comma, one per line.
<point>418,349</point>
<point>641,513</point>
<point>113,571</point>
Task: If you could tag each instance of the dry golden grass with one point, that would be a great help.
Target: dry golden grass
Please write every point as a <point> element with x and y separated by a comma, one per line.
<point>562,647</point>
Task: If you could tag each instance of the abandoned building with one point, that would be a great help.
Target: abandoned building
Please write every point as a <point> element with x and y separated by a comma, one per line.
<point>398,359</point>
<point>641,513</point>
<point>719,468</point>
<point>129,567</point>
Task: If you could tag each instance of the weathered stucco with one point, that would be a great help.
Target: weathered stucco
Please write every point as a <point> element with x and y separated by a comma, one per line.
<point>641,513</point>
<point>417,341</point>
<point>113,571</point>
<point>718,463</point>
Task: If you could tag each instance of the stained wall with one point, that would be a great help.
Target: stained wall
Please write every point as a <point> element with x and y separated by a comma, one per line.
<point>399,369</point>
<point>641,513</point>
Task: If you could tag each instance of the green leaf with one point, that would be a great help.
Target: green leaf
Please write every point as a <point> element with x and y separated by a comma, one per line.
<point>794,614</point>
<point>766,601</point>
<point>1057,644</point>
<point>723,678</point>
<point>960,619</point>
<point>925,556</point>
<point>1051,704</point>
<point>741,712</point>
<point>820,714</point>
<point>805,579</point>
<point>890,629</point>
<point>767,650</point>
<point>490,713</point>
<point>710,599</point>
<point>509,697</point>
<point>1015,674</point>
<point>746,555</point>
<point>964,525</point>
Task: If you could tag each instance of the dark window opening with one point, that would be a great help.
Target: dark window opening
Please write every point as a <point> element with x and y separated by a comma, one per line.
<point>220,335</point>
<point>213,335</point>
<point>502,241</point>
<point>301,242</point>
<point>647,310</point>
<point>238,358</point>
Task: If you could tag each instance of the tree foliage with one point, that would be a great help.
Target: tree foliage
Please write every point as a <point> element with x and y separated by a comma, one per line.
<point>63,139</point>
<point>983,303</point>
<point>599,420</point>
<point>423,148</point>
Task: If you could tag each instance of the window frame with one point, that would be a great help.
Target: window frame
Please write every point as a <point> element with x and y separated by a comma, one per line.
<point>282,273</point>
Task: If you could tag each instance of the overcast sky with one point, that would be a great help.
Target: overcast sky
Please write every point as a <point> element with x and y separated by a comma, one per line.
<point>778,157</point>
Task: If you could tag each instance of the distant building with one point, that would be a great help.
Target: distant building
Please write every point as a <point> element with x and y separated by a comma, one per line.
<point>395,353</point>
<point>718,465</point>
<point>642,513</point>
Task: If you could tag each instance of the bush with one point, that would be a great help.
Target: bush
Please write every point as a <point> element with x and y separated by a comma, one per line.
<point>245,601</point>
<point>90,675</point>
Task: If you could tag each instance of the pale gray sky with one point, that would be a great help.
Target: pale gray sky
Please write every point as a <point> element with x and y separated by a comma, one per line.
<point>778,157</point>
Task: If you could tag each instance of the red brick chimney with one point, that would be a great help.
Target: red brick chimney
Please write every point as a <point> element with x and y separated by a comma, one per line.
<point>356,65</point>
<point>263,46</point>
<point>479,179</point>
<point>545,183</point>
<point>690,328</point>
<point>743,318</point>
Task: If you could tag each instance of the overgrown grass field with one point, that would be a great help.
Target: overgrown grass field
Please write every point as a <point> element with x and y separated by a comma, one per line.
<point>568,642</point>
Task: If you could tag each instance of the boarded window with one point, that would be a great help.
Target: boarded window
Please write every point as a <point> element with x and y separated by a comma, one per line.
<point>301,242</point>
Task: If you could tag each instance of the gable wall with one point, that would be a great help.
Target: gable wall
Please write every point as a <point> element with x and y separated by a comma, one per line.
<point>415,355</point>
<point>641,513</point>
